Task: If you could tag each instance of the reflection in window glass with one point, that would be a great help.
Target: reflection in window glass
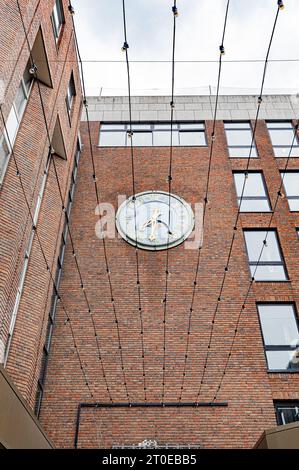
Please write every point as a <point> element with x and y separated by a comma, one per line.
<point>281,360</point>
<point>251,192</point>
<point>281,336</point>
<point>113,139</point>
<point>162,138</point>
<point>287,413</point>
<point>291,186</point>
<point>156,134</point>
<point>192,138</point>
<point>71,93</point>
<point>197,125</point>
<point>57,18</point>
<point>283,138</point>
<point>20,100</point>
<point>239,139</point>
<point>12,125</point>
<point>265,259</point>
<point>4,154</point>
<point>141,139</point>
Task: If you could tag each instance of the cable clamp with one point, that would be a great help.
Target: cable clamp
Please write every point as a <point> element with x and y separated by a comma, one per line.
<point>280,4</point>
<point>175,11</point>
<point>33,69</point>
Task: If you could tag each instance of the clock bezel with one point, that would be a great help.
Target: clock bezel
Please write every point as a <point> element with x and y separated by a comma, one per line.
<point>151,247</point>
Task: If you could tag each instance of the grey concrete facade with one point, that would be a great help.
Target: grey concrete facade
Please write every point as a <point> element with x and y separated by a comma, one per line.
<point>157,108</point>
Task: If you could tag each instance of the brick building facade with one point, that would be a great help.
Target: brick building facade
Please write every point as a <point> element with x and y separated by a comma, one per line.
<point>257,379</point>
<point>44,80</point>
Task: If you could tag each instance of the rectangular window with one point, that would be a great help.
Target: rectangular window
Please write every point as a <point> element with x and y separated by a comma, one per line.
<point>4,156</point>
<point>150,134</point>
<point>284,138</point>
<point>162,135</point>
<point>266,265</point>
<point>14,119</point>
<point>240,139</point>
<point>291,187</point>
<point>71,93</point>
<point>280,332</point>
<point>251,192</point>
<point>57,18</point>
<point>113,136</point>
<point>287,412</point>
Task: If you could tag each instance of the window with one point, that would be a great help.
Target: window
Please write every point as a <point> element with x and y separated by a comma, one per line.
<point>14,119</point>
<point>4,156</point>
<point>280,335</point>
<point>291,187</point>
<point>239,139</point>
<point>57,18</point>
<point>148,134</point>
<point>113,136</point>
<point>287,412</point>
<point>283,138</point>
<point>71,93</point>
<point>162,135</point>
<point>268,266</point>
<point>251,188</point>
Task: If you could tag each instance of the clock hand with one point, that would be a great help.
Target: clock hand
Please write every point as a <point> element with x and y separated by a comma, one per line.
<point>155,216</point>
<point>153,222</point>
<point>166,225</point>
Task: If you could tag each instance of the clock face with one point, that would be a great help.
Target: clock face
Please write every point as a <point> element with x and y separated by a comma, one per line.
<point>156,220</point>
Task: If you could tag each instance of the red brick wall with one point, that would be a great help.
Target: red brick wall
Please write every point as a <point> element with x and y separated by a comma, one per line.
<point>247,387</point>
<point>31,150</point>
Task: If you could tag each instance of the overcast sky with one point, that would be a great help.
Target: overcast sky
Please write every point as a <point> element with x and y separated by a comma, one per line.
<point>199,30</point>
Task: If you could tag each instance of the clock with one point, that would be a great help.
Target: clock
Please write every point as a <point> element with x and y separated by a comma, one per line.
<point>155,220</point>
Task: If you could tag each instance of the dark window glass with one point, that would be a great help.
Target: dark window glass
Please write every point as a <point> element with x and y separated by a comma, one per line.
<point>251,192</point>
<point>287,413</point>
<point>57,18</point>
<point>264,254</point>
<point>71,93</point>
<point>240,139</point>
<point>281,336</point>
<point>291,186</point>
<point>284,139</point>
